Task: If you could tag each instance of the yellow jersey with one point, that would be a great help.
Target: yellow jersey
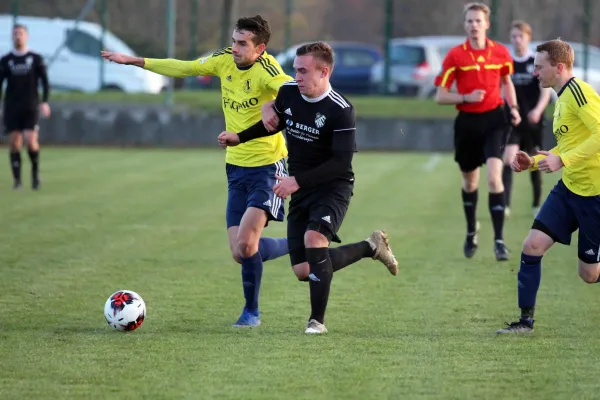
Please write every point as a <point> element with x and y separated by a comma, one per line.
<point>244,90</point>
<point>576,127</point>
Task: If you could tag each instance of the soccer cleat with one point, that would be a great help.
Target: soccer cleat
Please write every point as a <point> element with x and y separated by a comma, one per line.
<point>315,327</point>
<point>470,245</point>
<point>500,250</point>
<point>536,211</point>
<point>17,185</point>
<point>521,326</point>
<point>379,242</point>
<point>248,320</point>
<point>35,184</point>
<point>506,212</point>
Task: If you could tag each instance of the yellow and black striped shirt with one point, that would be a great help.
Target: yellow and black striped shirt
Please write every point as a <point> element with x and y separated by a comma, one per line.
<point>243,90</point>
<point>576,128</point>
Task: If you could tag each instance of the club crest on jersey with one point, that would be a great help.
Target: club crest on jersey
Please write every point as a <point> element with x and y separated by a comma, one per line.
<point>248,85</point>
<point>530,68</point>
<point>320,120</point>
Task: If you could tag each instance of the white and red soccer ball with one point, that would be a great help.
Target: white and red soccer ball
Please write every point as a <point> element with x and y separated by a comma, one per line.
<point>125,310</point>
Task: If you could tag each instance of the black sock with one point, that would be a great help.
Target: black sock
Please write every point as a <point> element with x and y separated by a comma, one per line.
<point>470,206</point>
<point>507,179</point>
<point>15,164</point>
<point>496,203</point>
<point>34,156</point>
<point>536,182</point>
<point>348,254</point>
<point>321,273</point>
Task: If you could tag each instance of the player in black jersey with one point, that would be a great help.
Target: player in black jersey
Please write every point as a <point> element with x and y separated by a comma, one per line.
<point>532,100</point>
<point>320,131</point>
<point>23,70</point>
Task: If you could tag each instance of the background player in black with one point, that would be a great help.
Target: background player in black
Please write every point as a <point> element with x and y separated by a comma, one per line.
<point>320,131</point>
<point>532,100</point>
<point>23,70</point>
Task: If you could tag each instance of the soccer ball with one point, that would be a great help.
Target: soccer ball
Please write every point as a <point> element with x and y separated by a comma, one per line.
<point>125,310</point>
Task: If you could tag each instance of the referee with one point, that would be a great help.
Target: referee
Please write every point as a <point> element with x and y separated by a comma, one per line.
<point>23,70</point>
<point>481,69</point>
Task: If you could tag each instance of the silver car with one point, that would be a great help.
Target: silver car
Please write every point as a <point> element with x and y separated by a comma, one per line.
<point>415,62</point>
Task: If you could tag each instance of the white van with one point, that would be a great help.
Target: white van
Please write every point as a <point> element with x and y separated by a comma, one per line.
<point>77,66</point>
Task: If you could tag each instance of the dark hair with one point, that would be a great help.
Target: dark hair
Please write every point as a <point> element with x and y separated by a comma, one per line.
<point>319,50</point>
<point>256,25</point>
<point>19,26</point>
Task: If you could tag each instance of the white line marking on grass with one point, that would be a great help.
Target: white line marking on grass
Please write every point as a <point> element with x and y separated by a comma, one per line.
<point>432,162</point>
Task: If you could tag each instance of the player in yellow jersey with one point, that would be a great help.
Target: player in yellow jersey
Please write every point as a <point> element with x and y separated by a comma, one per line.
<point>574,203</point>
<point>250,78</point>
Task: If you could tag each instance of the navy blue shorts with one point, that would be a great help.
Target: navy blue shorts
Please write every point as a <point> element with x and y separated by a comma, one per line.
<point>564,212</point>
<point>253,187</point>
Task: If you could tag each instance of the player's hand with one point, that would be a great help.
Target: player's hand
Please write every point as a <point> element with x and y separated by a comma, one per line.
<point>269,117</point>
<point>115,57</point>
<point>534,116</point>
<point>551,163</point>
<point>515,117</point>
<point>286,186</point>
<point>45,109</point>
<point>476,96</point>
<point>521,162</point>
<point>228,139</point>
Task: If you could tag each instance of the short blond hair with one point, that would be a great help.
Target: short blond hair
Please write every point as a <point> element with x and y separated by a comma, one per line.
<point>477,7</point>
<point>522,26</point>
<point>559,52</point>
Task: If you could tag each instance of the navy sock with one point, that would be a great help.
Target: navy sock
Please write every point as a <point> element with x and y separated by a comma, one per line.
<point>272,248</point>
<point>530,275</point>
<point>252,268</point>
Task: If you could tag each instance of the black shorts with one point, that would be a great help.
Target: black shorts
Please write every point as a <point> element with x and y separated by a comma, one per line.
<point>20,119</point>
<point>528,136</point>
<point>479,136</point>
<point>320,209</point>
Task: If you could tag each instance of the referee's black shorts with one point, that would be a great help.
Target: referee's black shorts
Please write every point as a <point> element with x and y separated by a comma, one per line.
<point>20,119</point>
<point>527,135</point>
<point>479,136</point>
<point>321,209</point>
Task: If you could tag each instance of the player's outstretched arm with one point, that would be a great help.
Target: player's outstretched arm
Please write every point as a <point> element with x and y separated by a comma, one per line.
<point>258,130</point>
<point>163,66</point>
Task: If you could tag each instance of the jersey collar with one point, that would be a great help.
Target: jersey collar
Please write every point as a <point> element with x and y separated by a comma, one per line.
<point>20,53</point>
<point>562,89</point>
<point>317,99</point>
<point>247,67</point>
<point>524,57</point>
<point>467,45</point>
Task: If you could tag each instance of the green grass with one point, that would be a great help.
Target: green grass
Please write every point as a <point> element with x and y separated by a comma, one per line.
<point>210,100</point>
<point>153,221</point>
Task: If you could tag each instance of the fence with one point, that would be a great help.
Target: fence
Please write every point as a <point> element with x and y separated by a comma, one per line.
<point>188,28</point>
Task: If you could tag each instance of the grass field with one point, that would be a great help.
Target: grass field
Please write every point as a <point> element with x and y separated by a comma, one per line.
<point>152,221</point>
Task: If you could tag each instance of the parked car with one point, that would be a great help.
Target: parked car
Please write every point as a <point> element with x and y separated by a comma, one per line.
<point>414,64</point>
<point>76,66</point>
<point>353,64</point>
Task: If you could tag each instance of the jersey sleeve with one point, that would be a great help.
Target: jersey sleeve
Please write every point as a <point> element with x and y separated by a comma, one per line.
<point>589,113</point>
<point>448,74</point>
<point>42,75</point>
<point>344,131</point>
<point>204,66</point>
<point>508,65</point>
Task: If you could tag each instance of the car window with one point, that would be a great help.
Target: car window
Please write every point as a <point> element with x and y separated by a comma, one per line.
<point>356,58</point>
<point>80,42</point>
<point>407,55</point>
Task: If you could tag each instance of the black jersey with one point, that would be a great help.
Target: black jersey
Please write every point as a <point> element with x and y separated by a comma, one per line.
<point>23,71</point>
<point>527,86</point>
<point>320,135</point>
